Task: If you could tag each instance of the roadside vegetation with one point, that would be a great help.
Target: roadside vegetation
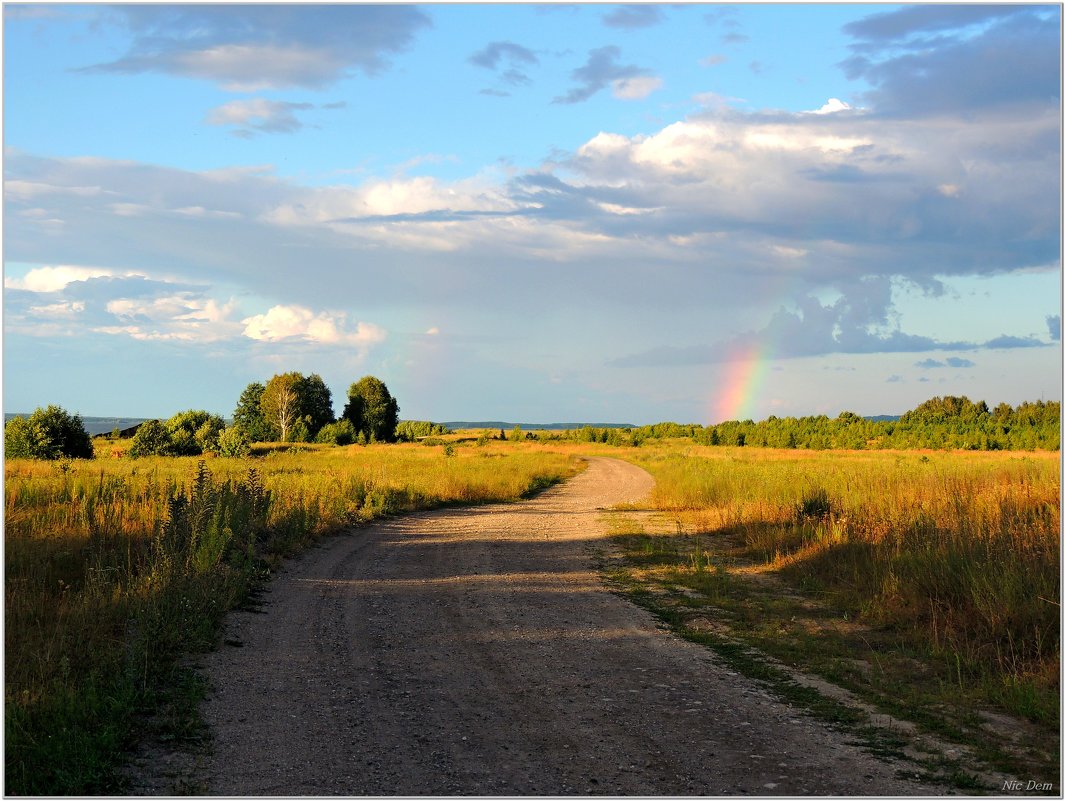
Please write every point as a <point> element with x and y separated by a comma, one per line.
<point>115,567</point>
<point>927,583</point>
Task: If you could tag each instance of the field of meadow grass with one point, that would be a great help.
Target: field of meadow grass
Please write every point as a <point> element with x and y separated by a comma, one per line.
<point>926,581</point>
<point>929,578</point>
<point>115,567</point>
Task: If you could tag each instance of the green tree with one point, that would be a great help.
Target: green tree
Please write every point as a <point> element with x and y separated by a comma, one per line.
<point>372,410</point>
<point>316,403</point>
<point>280,402</point>
<point>249,415</point>
<point>48,433</point>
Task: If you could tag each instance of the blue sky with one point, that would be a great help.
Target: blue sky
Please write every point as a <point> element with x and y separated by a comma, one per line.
<point>537,213</point>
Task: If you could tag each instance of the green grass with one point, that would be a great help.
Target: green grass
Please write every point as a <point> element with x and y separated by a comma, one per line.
<point>116,567</point>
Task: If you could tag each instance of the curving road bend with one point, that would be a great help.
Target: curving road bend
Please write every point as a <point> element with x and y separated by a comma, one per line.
<point>474,652</point>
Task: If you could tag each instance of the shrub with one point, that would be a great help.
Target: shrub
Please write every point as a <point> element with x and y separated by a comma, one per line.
<point>207,436</point>
<point>410,430</point>
<point>151,439</point>
<point>300,431</point>
<point>49,433</point>
<point>233,441</point>
<point>341,432</point>
<point>194,432</point>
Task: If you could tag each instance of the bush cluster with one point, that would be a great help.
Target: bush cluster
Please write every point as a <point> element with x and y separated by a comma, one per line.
<point>49,433</point>
<point>191,433</point>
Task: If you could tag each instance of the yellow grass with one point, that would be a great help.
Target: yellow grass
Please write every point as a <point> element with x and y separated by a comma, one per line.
<point>959,549</point>
<point>115,566</point>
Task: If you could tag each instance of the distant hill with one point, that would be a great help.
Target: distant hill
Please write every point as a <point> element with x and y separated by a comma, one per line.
<point>456,426</point>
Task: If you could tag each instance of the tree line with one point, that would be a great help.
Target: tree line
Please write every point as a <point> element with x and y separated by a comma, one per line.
<point>293,408</point>
<point>942,423</point>
<point>290,407</point>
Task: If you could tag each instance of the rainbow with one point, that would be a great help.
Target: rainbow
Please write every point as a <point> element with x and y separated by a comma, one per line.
<point>744,376</point>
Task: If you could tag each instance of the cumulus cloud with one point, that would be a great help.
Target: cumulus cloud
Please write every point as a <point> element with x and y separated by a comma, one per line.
<point>300,323</point>
<point>599,71</point>
<point>54,279</point>
<point>254,47</point>
<point>117,303</point>
<point>630,17</point>
<point>257,115</point>
<point>720,204</point>
<point>64,310</point>
<point>181,317</point>
<point>195,317</point>
<point>833,105</point>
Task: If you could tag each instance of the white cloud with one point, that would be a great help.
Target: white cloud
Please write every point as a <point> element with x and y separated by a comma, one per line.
<point>25,190</point>
<point>200,211</point>
<point>258,114</point>
<point>129,209</point>
<point>298,322</point>
<point>145,334</point>
<point>635,88</point>
<point>833,105</point>
<point>55,279</point>
<point>432,332</point>
<point>58,311</point>
<point>184,316</point>
<point>789,252</point>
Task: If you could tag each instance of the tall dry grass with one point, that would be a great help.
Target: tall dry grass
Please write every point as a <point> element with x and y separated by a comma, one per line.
<point>960,550</point>
<point>115,567</point>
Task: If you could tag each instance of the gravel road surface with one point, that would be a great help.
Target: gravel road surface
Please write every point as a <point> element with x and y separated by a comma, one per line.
<point>475,652</point>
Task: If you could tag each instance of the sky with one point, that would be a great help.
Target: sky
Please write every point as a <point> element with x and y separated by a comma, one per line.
<point>536,213</point>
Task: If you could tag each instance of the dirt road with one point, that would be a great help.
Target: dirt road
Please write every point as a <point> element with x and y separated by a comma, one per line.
<point>474,652</point>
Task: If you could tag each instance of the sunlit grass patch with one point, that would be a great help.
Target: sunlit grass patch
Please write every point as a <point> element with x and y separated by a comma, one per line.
<point>115,567</point>
<point>928,582</point>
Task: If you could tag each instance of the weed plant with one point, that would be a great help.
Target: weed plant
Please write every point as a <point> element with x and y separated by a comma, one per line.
<point>117,566</point>
<point>958,552</point>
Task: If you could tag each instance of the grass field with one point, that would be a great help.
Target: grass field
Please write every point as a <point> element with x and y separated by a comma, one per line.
<point>115,567</point>
<point>927,581</point>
